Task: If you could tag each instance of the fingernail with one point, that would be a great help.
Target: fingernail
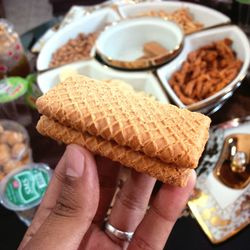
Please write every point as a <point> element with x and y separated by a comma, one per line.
<point>192,178</point>
<point>75,162</point>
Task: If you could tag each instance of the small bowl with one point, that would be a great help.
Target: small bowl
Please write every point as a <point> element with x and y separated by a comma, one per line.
<point>95,21</point>
<point>140,81</point>
<point>207,16</point>
<point>121,44</point>
<point>192,42</point>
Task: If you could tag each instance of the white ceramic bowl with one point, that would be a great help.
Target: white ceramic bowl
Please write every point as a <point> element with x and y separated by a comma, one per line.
<point>90,23</point>
<point>121,44</point>
<point>207,16</point>
<point>142,81</point>
<point>240,46</point>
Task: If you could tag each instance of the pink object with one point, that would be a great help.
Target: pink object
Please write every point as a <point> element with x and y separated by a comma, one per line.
<point>15,184</point>
<point>3,68</point>
<point>10,53</point>
<point>18,46</point>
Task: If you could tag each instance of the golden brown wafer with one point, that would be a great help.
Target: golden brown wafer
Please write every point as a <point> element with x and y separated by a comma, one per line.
<point>158,130</point>
<point>165,172</point>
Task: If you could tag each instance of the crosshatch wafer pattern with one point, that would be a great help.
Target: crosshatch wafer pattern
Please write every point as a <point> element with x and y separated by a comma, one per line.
<point>158,130</point>
<point>165,172</point>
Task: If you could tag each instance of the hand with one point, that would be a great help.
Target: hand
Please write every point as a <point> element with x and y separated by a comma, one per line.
<point>71,215</point>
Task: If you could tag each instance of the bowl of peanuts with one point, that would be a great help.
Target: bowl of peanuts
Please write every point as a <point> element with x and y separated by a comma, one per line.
<point>208,70</point>
<point>76,41</point>
<point>14,147</point>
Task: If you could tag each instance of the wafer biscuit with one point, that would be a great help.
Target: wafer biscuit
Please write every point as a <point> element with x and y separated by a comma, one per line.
<point>158,130</point>
<point>161,140</point>
<point>140,162</point>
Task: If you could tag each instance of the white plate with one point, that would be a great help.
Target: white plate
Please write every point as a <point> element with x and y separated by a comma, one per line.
<point>240,45</point>
<point>207,16</point>
<point>142,81</point>
<point>90,23</point>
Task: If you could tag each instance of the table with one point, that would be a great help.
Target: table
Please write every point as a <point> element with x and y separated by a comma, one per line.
<point>186,233</point>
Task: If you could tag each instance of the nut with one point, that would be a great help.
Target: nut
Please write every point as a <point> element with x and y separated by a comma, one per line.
<point>75,49</point>
<point>4,154</point>
<point>9,166</point>
<point>11,137</point>
<point>181,16</point>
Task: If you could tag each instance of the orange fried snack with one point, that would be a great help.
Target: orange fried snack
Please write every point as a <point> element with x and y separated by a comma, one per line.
<point>206,71</point>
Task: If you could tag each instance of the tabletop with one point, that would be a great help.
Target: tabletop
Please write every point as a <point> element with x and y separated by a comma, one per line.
<point>186,233</point>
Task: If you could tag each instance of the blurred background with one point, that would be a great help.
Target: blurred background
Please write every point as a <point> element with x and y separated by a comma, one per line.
<point>27,14</point>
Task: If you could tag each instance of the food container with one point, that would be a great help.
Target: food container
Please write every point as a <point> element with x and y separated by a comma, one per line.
<point>240,46</point>
<point>204,15</point>
<point>24,188</point>
<point>94,22</point>
<point>14,147</point>
<point>14,103</point>
<point>123,44</point>
<point>13,61</point>
<point>140,81</point>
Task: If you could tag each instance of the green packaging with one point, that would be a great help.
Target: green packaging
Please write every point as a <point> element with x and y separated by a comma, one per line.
<point>24,188</point>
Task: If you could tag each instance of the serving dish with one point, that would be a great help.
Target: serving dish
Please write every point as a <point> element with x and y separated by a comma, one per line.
<point>121,44</point>
<point>221,211</point>
<point>95,21</point>
<point>240,46</point>
<point>114,12</point>
<point>207,16</point>
<point>140,81</point>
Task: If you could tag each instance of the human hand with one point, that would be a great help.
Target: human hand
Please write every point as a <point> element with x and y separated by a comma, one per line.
<point>71,215</point>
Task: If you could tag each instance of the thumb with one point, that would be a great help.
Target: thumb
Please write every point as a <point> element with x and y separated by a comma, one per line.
<point>76,205</point>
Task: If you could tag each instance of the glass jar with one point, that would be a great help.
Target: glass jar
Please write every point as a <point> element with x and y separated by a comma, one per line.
<point>13,61</point>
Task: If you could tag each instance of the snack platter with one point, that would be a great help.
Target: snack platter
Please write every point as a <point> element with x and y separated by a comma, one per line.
<point>201,27</point>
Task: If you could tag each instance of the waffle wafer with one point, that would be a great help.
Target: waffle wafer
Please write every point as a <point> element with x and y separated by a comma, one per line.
<point>162,133</point>
<point>165,172</point>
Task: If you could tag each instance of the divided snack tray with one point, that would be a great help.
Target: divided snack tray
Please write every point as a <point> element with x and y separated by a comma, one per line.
<point>102,18</point>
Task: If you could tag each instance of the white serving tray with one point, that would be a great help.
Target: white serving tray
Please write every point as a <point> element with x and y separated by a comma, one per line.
<point>140,81</point>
